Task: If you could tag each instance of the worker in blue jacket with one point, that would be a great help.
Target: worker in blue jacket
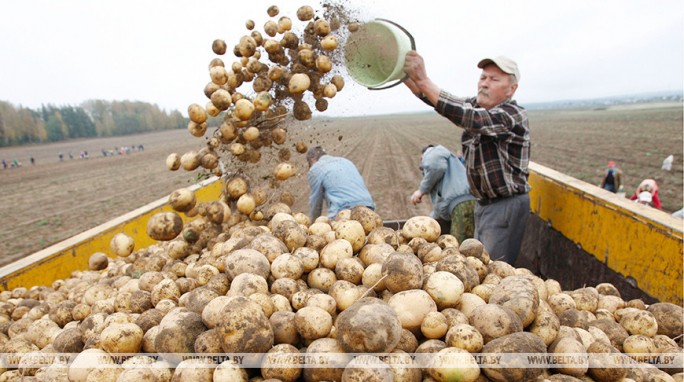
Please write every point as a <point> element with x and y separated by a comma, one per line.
<point>335,180</point>
<point>444,179</point>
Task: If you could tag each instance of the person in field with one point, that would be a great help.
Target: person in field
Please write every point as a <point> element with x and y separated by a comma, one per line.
<point>335,180</point>
<point>496,148</point>
<point>650,186</point>
<point>612,179</point>
<point>445,180</point>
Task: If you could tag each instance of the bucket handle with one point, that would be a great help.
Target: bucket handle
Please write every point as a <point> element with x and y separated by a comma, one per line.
<point>413,47</point>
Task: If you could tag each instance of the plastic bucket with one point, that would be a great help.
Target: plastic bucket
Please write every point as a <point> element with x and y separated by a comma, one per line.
<point>374,54</point>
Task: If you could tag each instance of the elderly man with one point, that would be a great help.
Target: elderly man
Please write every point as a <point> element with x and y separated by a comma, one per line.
<point>496,145</point>
<point>336,180</point>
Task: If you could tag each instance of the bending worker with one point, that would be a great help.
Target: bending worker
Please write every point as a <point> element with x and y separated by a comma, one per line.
<point>496,146</point>
<point>444,179</point>
<point>336,180</point>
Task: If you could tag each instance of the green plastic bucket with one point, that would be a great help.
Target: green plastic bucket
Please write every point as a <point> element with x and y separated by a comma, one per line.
<point>374,54</point>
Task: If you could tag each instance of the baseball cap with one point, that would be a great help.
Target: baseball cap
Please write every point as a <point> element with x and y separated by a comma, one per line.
<point>504,63</point>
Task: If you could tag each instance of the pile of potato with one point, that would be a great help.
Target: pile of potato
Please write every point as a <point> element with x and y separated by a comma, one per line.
<point>381,304</point>
<point>279,72</point>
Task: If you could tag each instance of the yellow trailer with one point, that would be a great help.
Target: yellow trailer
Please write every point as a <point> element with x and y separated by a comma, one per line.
<point>578,234</point>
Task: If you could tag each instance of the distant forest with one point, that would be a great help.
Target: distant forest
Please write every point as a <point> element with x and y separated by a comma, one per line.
<point>93,118</point>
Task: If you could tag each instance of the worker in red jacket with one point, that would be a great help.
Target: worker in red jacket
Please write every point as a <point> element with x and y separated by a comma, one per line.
<point>651,186</point>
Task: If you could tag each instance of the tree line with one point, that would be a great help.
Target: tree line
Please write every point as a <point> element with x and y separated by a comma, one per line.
<point>93,118</point>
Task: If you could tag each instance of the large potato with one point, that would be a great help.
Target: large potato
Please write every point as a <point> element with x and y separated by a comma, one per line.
<point>368,218</point>
<point>412,306</point>
<point>669,317</point>
<point>164,226</point>
<point>369,325</point>
<point>367,367</point>
<point>335,356</point>
<point>444,288</point>
<point>421,226</point>
<point>453,364</point>
<point>352,231</point>
<point>178,331</point>
<point>494,321</point>
<point>246,260</point>
<point>245,328</point>
<point>402,271</point>
<point>575,351</point>
<point>511,368</point>
<point>518,294</point>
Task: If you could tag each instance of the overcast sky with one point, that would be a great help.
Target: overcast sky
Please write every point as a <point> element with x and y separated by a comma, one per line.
<point>68,51</point>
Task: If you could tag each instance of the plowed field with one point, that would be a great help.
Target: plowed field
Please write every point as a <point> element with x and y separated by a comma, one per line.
<point>52,200</point>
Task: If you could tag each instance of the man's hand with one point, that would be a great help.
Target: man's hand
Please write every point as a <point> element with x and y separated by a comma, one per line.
<point>416,197</point>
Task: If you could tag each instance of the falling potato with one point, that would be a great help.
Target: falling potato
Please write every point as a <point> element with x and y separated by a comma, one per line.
<point>284,170</point>
<point>299,83</point>
<point>197,113</point>
<point>305,13</point>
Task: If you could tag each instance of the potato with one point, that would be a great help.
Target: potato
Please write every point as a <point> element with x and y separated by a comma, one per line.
<point>546,324</point>
<point>313,322</point>
<point>434,325</point>
<point>640,322</point>
<point>585,298</point>
<point>457,265</point>
<point>518,294</point>
<point>369,325</point>
<point>291,234</point>
<point>367,367</point>
<point>85,362</point>
<point>572,348</point>
<point>164,226</point>
<point>173,161</point>
<point>122,338</point>
<point>351,231</point>
<point>196,113</point>
<point>560,302</point>
<point>509,369</point>
<point>604,363</point>
<point>669,317</point>
<point>468,302</point>
<point>421,226</point>
<point>344,293</point>
<point>299,82</point>
<point>375,253</point>
<point>402,272</point>
<point>464,336</point>
<point>246,284</point>
<point>335,356</point>
<point>246,260</point>
<point>305,13</point>
<point>178,331</point>
<point>615,332</point>
<point>412,306</point>
<point>322,279</point>
<point>453,364</point>
<point>350,269</point>
<point>282,363</point>
<point>122,245</point>
<point>98,261</point>
<point>244,328</point>
<point>444,288</point>
<point>287,265</point>
<point>494,321</point>
<point>335,251</point>
<point>230,371</point>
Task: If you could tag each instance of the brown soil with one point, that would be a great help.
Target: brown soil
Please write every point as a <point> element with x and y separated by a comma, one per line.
<point>50,201</point>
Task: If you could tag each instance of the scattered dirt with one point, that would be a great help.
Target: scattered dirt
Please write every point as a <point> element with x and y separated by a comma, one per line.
<point>51,201</point>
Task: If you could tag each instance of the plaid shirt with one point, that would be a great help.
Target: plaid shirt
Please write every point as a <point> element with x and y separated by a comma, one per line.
<point>496,145</point>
